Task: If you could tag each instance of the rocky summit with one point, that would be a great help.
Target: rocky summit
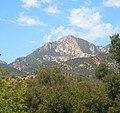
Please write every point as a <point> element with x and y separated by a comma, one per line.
<point>61,51</point>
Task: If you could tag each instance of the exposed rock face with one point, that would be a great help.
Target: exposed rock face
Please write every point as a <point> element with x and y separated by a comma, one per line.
<point>66,48</point>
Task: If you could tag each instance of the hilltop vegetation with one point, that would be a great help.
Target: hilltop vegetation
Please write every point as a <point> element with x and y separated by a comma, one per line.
<point>53,92</point>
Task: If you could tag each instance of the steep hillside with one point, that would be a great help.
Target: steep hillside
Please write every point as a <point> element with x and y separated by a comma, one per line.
<point>60,52</point>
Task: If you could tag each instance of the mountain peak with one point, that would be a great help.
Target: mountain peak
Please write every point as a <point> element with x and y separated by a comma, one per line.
<point>66,48</point>
<point>68,37</point>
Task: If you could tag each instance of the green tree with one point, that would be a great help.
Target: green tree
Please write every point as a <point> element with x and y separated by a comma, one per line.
<point>112,82</point>
<point>43,91</point>
<point>115,48</point>
<point>51,92</point>
<point>101,71</point>
<point>113,85</point>
<point>12,95</point>
<point>92,97</point>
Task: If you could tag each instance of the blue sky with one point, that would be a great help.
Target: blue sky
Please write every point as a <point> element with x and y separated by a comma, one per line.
<point>28,24</point>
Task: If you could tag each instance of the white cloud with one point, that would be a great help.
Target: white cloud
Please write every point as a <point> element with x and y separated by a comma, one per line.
<point>30,3</point>
<point>28,21</point>
<point>47,1</point>
<point>62,31</point>
<point>84,17</point>
<point>90,35</point>
<point>90,21</point>
<point>111,3</point>
<point>47,38</point>
<point>52,10</point>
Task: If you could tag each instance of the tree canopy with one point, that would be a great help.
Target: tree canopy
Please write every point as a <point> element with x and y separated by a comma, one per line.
<point>115,48</point>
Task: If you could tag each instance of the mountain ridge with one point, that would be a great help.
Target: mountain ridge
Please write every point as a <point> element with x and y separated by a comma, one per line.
<point>62,50</point>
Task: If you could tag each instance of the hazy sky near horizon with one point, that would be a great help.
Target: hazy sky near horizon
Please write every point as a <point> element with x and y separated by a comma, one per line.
<point>28,24</point>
